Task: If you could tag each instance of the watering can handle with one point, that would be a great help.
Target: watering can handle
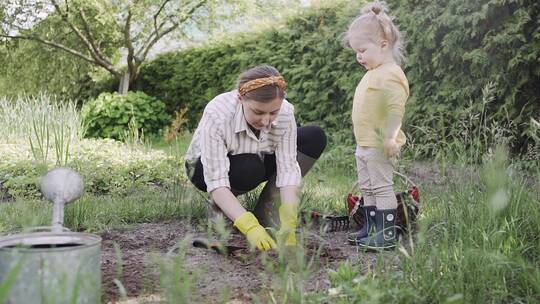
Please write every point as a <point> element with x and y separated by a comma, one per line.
<point>43,229</point>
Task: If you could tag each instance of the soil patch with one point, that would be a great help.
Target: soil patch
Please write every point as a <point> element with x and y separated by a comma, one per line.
<point>143,249</point>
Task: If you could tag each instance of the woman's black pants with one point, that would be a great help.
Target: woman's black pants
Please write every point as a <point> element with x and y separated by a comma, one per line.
<point>247,171</point>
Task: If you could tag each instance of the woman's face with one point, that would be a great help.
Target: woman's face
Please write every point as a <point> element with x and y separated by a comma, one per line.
<point>260,115</point>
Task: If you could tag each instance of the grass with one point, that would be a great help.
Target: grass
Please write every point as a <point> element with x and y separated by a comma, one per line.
<point>99,213</point>
<point>479,242</point>
<point>177,147</point>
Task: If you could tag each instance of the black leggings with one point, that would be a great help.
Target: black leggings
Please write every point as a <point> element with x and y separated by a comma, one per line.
<point>247,171</point>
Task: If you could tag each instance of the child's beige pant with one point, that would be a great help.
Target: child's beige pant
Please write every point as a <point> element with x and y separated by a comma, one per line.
<point>375,172</point>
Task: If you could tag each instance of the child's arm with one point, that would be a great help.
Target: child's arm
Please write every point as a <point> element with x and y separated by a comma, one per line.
<point>392,128</point>
<point>396,95</point>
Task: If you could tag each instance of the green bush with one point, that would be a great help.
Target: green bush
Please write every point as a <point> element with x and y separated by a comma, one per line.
<point>455,51</point>
<point>110,115</point>
<point>458,48</point>
<point>321,74</point>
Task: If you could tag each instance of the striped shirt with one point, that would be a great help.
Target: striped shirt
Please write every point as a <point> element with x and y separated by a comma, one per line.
<point>223,130</point>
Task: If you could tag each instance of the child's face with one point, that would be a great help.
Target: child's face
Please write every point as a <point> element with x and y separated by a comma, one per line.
<point>260,115</point>
<point>369,54</point>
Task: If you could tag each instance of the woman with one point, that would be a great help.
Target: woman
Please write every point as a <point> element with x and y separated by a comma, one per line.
<point>248,136</point>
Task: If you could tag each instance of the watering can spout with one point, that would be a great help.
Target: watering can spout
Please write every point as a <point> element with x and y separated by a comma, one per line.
<point>58,216</point>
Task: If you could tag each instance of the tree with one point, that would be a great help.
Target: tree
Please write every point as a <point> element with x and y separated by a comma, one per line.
<point>102,28</point>
<point>27,67</point>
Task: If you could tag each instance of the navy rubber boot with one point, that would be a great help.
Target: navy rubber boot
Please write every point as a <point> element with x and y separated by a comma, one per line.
<point>384,236</point>
<point>369,223</point>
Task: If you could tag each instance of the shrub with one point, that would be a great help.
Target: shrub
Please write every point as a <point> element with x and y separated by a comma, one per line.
<point>110,114</point>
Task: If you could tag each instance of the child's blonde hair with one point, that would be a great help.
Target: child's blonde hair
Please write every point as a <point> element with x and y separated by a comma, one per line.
<point>375,24</point>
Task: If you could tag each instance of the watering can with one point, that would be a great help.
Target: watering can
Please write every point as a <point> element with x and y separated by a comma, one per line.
<point>52,264</point>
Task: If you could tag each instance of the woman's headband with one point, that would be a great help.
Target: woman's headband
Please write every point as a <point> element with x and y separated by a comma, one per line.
<point>261,82</point>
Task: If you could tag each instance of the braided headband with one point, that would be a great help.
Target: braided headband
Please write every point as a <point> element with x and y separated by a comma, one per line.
<point>261,82</point>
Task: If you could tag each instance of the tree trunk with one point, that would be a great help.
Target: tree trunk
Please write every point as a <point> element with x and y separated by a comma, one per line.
<point>124,83</point>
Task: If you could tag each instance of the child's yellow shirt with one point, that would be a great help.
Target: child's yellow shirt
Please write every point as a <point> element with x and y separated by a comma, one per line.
<point>382,91</point>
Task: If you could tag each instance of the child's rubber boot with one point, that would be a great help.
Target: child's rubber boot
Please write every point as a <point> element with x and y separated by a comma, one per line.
<point>384,236</point>
<point>369,224</point>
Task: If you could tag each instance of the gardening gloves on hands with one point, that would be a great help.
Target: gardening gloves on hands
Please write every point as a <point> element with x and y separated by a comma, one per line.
<point>288,215</point>
<point>256,235</point>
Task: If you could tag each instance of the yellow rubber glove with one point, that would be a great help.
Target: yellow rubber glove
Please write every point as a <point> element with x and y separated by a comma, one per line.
<point>256,235</point>
<point>288,215</point>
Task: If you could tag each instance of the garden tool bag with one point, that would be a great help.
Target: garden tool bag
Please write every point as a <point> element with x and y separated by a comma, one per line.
<point>407,209</point>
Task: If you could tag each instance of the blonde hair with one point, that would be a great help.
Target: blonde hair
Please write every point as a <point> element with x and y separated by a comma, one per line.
<point>376,25</point>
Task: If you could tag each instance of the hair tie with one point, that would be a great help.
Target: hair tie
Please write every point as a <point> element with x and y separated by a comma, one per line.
<point>261,82</point>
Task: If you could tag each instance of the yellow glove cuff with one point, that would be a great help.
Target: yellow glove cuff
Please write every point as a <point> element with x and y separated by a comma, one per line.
<point>288,215</point>
<point>246,222</point>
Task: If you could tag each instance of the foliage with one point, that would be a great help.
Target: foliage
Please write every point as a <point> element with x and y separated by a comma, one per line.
<point>193,77</point>
<point>477,241</point>
<point>42,132</point>
<point>29,68</point>
<point>42,37</point>
<point>465,46</point>
<point>176,126</point>
<point>110,114</point>
<point>96,213</point>
<point>95,31</point>
<point>49,125</point>
<point>107,167</point>
<point>453,76</point>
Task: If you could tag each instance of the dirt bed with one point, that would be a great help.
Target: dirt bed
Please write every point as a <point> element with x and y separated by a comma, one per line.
<point>242,275</point>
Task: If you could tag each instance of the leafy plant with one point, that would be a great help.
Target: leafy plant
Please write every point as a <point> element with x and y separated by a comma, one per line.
<point>110,114</point>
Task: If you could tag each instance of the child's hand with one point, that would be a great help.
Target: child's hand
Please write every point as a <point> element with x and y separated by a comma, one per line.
<point>391,148</point>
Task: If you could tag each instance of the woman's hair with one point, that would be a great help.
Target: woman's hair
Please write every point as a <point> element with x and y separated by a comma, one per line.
<point>375,24</point>
<point>262,83</point>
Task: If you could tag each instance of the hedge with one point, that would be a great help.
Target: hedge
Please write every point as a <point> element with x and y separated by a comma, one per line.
<point>469,62</point>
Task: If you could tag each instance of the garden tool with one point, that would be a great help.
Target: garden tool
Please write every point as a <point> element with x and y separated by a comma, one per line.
<point>330,223</point>
<point>52,264</point>
<point>217,246</point>
<point>266,209</point>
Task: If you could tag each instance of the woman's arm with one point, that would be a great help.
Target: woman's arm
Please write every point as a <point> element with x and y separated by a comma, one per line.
<point>289,194</point>
<point>227,202</point>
